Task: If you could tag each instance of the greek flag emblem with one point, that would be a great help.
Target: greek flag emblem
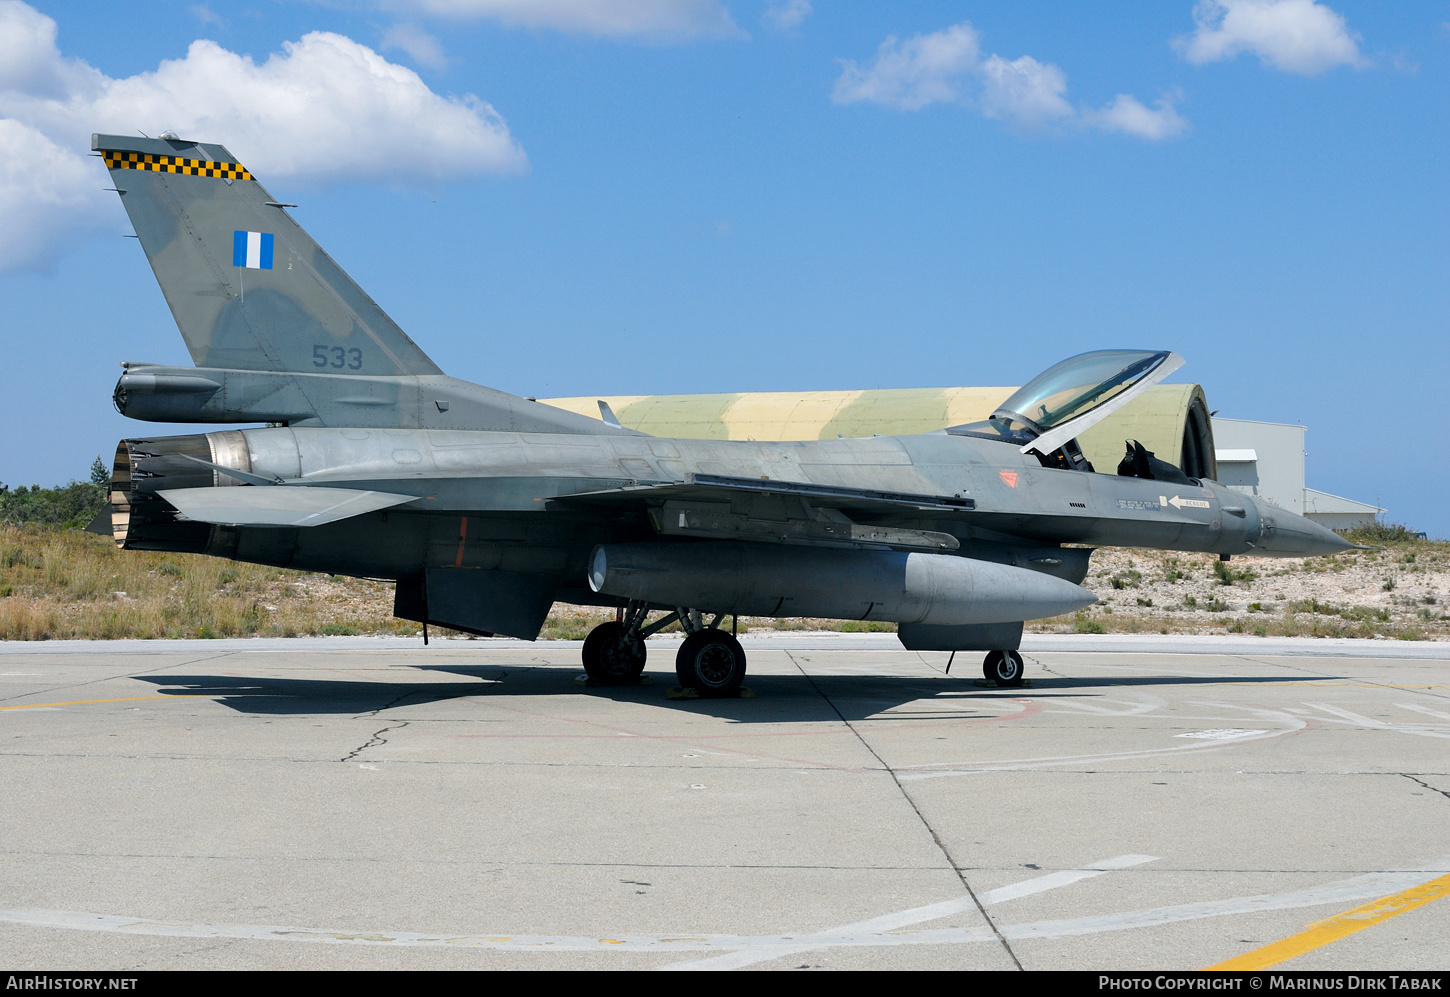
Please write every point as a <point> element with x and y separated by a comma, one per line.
<point>252,250</point>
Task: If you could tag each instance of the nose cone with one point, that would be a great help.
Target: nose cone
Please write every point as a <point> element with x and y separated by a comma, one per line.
<point>1285,534</point>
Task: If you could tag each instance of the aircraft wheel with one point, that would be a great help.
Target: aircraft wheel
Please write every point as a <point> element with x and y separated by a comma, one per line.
<point>611,656</point>
<point>1003,668</point>
<point>711,661</point>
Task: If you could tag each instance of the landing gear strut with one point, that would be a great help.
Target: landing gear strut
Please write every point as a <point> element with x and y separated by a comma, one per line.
<point>1003,668</point>
<point>613,655</point>
<point>710,661</point>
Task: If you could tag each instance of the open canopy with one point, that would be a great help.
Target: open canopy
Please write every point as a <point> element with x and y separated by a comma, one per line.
<point>1068,397</point>
<point>1078,385</point>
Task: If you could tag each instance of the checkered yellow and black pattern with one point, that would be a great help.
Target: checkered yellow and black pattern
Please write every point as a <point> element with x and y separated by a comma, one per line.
<point>175,164</point>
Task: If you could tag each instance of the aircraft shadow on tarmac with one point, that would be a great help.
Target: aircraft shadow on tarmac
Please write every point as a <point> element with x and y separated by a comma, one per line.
<point>777,698</point>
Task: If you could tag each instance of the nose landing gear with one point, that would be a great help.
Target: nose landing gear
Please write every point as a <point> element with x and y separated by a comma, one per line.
<point>1004,668</point>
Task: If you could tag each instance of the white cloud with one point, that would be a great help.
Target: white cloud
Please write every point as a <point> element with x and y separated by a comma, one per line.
<point>325,109</point>
<point>423,47</point>
<point>786,14</point>
<point>1024,91</point>
<point>947,67</point>
<point>909,75</point>
<point>1297,36</point>
<point>29,60</point>
<point>655,19</point>
<point>49,196</point>
<point>1128,115</point>
<point>203,13</point>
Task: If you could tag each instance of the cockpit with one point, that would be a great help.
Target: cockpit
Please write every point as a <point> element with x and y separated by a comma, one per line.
<point>1046,415</point>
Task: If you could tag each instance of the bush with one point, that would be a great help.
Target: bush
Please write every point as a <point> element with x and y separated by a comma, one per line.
<point>1378,533</point>
<point>1227,575</point>
<point>73,505</point>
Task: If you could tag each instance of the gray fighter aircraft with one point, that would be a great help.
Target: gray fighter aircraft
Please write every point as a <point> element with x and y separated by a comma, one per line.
<point>486,508</point>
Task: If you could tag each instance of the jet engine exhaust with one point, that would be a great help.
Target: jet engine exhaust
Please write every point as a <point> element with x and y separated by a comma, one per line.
<point>141,519</point>
<point>769,580</point>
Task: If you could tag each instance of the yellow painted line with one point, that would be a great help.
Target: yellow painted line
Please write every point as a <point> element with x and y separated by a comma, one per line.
<point>1332,929</point>
<point>125,699</point>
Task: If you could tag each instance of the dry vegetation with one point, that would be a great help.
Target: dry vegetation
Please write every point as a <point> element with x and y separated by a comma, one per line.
<point>1398,592</point>
<point>64,583</point>
<point>57,584</point>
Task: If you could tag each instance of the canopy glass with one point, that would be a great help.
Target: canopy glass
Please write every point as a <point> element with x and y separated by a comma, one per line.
<point>1077,385</point>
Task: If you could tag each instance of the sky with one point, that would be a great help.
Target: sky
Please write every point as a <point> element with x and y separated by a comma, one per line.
<point>573,197</point>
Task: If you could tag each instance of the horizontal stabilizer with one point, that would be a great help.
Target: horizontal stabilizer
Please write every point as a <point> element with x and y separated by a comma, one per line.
<point>277,505</point>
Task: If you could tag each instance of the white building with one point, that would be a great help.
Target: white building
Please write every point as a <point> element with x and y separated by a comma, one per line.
<point>1266,460</point>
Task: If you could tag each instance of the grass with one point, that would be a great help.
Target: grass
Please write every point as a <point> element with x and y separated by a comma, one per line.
<point>1287,624</point>
<point>1227,575</point>
<point>66,584</point>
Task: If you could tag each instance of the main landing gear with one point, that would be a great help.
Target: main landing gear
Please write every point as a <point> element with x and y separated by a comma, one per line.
<point>1003,668</point>
<point>710,660</point>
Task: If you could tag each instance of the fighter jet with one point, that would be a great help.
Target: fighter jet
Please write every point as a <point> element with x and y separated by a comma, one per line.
<point>486,508</point>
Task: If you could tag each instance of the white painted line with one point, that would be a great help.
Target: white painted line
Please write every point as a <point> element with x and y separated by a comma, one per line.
<point>1029,764</point>
<point>1424,709</point>
<point>1375,884</point>
<point>890,923</point>
<point>887,930</point>
<point>1221,734</point>
<point>1424,730</point>
<point>939,770</point>
<point>1066,877</point>
<point>1133,708</point>
<point>262,932</point>
<point>1345,714</point>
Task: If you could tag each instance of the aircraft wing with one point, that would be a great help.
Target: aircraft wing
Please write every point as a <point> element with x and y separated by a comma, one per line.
<point>702,507</point>
<point>722,488</point>
<point>277,505</point>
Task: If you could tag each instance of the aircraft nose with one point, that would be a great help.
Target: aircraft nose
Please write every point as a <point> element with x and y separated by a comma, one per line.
<point>1286,534</point>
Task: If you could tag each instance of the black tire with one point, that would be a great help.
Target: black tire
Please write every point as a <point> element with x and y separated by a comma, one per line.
<point>712,662</point>
<point>612,658</point>
<point>989,665</point>
<point>1004,668</point>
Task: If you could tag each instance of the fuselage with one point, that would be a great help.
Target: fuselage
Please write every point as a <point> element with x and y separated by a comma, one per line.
<point>503,500</point>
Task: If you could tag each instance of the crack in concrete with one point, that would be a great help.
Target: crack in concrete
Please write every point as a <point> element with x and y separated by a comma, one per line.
<point>935,837</point>
<point>1421,782</point>
<point>377,741</point>
<point>394,702</point>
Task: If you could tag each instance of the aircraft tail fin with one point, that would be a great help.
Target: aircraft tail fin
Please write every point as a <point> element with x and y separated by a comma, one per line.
<point>249,289</point>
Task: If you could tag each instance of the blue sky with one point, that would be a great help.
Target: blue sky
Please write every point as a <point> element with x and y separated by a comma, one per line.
<point>634,196</point>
